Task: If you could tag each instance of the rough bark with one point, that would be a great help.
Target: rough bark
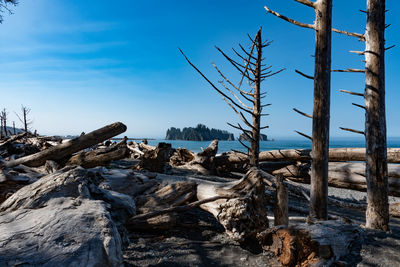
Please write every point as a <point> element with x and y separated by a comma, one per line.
<point>99,157</point>
<point>281,211</point>
<point>256,112</point>
<point>68,148</point>
<point>377,215</point>
<point>319,244</point>
<point>157,159</point>
<point>243,216</point>
<point>321,110</point>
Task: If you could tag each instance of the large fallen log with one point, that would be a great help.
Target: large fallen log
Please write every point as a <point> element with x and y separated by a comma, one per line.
<point>63,150</point>
<point>99,157</point>
<point>342,175</point>
<point>335,154</point>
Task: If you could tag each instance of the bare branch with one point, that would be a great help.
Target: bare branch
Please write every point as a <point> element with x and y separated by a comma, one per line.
<point>361,37</point>
<point>306,2</point>
<point>350,70</point>
<point>237,98</point>
<point>387,26</point>
<point>352,130</point>
<point>357,105</point>
<point>302,113</point>
<point>248,148</point>
<point>295,22</point>
<point>228,81</point>
<point>264,127</point>
<point>304,75</point>
<point>390,47</point>
<point>245,97</point>
<point>240,152</point>
<point>352,93</point>
<point>304,135</point>
<point>272,74</point>
<point>219,91</point>
<point>235,64</point>
<point>357,52</point>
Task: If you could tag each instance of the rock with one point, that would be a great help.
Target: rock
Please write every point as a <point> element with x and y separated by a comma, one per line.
<point>63,219</point>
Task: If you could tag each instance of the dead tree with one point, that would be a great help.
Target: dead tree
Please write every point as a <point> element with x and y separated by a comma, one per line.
<point>321,110</point>
<point>24,120</point>
<point>15,132</point>
<point>377,214</point>
<point>4,114</point>
<point>254,71</point>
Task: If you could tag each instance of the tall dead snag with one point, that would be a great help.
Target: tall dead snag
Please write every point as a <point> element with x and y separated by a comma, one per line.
<point>321,110</point>
<point>377,215</point>
<point>3,115</point>
<point>254,72</point>
<point>24,120</point>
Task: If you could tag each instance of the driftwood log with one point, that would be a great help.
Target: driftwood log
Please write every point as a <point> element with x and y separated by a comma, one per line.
<point>63,150</point>
<point>335,154</point>
<point>342,175</point>
<point>155,159</point>
<point>244,215</point>
<point>99,157</point>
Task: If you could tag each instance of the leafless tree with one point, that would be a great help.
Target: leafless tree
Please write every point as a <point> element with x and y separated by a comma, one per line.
<point>377,214</point>
<point>3,116</point>
<point>254,71</point>
<point>321,110</point>
<point>4,5</point>
<point>24,119</point>
<point>15,132</point>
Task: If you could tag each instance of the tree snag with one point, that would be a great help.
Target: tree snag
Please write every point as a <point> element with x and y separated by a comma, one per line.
<point>377,215</point>
<point>321,110</point>
<point>255,72</point>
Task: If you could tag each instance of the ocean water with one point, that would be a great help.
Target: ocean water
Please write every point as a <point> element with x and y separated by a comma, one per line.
<point>283,143</point>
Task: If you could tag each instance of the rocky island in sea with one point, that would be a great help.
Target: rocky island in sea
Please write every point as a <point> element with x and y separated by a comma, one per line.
<point>200,133</point>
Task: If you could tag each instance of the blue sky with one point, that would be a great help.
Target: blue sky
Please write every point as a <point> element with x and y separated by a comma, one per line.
<point>82,64</point>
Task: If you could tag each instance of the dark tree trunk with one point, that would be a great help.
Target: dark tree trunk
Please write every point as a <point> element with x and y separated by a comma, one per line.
<point>255,142</point>
<point>377,215</point>
<point>320,135</point>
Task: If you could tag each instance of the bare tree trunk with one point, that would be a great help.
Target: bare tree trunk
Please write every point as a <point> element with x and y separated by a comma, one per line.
<point>281,208</point>
<point>377,215</point>
<point>15,132</point>
<point>320,135</point>
<point>255,142</point>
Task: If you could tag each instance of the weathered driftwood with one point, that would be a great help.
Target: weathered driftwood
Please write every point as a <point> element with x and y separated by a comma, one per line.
<point>181,156</point>
<point>281,211</point>
<point>202,162</point>
<point>244,215</point>
<point>63,219</point>
<point>156,160</point>
<point>342,175</point>
<point>12,139</point>
<point>99,157</point>
<point>335,154</point>
<point>63,150</point>
<point>319,244</point>
<point>167,197</point>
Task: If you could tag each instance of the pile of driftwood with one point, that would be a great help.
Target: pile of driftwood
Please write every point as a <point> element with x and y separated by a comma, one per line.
<point>56,183</point>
